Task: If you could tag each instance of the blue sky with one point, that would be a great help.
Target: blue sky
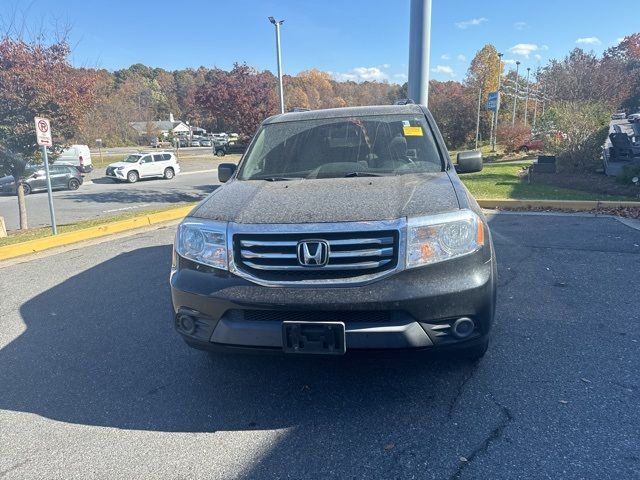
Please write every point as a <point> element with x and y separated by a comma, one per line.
<point>354,39</point>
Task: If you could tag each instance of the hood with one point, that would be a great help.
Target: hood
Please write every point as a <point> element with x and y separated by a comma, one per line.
<point>331,199</point>
<point>119,164</point>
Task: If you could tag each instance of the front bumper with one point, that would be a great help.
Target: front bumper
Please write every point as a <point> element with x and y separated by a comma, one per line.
<point>412,309</point>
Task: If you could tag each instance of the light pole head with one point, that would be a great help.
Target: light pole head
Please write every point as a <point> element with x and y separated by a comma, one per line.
<point>518,62</point>
<point>276,22</point>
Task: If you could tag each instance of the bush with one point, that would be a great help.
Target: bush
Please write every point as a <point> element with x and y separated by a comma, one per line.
<point>629,172</point>
<point>513,136</point>
<point>581,129</point>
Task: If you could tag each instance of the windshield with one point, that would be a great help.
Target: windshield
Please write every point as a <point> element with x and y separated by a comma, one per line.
<point>377,145</point>
<point>132,158</point>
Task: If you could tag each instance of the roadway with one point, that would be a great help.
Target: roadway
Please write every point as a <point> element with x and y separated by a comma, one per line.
<point>96,384</point>
<point>100,196</point>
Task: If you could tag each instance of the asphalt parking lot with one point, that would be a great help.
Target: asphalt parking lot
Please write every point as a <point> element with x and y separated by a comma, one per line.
<point>95,383</point>
<point>100,196</point>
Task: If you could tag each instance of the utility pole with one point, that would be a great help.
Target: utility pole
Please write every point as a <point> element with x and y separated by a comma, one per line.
<point>544,89</point>
<point>478,119</point>
<point>419,47</point>
<point>526,102</point>
<point>494,139</point>
<point>515,97</point>
<point>535,106</point>
<point>277,24</point>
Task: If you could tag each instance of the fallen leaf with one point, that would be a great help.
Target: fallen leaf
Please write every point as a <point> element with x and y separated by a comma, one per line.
<point>389,446</point>
<point>464,459</point>
<point>585,380</point>
<point>564,402</point>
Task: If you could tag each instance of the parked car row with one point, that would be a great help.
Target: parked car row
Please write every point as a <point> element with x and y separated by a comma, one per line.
<point>35,179</point>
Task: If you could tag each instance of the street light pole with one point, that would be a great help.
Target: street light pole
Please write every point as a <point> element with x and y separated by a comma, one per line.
<point>515,97</point>
<point>419,46</point>
<point>526,102</point>
<point>494,140</point>
<point>478,119</point>
<point>277,24</point>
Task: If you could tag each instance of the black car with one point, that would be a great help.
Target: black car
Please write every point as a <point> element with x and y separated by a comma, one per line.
<point>340,230</point>
<point>222,149</point>
<point>35,180</point>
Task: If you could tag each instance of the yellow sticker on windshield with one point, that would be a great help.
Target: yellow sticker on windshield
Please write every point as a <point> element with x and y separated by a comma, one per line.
<point>412,131</point>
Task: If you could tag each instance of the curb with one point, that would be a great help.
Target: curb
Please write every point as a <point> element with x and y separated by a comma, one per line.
<point>562,204</point>
<point>40,244</point>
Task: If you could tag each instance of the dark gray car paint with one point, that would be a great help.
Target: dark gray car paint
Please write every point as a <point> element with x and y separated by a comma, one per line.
<point>331,199</point>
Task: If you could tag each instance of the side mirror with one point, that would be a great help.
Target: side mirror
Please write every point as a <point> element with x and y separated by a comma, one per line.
<point>226,171</point>
<point>469,162</point>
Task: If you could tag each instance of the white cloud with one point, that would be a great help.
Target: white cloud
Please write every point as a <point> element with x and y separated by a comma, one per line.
<point>444,69</point>
<point>523,49</point>
<point>588,41</point>
<point>385,66</point>
<point>361,74</point>
<point>520,25</point>
<point>400,76</point>
<point>537,56</point>
<point>471,23</point>
<point>544,47</point>
<point>619,39</point>
<point>461,58</point>
<point>509,61</point>
<point>445,56</point>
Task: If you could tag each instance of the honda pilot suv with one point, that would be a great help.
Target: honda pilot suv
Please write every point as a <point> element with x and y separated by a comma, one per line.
<point>340,230</point>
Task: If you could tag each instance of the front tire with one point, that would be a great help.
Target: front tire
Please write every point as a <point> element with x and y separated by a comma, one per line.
<point>220,153</point>
<point>74,184</point>
<point>25,188</point>
<point>169,173</point>
<point>132,176</point>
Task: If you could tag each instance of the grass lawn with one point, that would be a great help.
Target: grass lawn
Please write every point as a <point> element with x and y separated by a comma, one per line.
<point>18,236</point>
<point>501,181</point>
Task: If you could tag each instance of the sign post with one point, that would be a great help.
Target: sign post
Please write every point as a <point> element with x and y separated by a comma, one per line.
<point>43,134</point>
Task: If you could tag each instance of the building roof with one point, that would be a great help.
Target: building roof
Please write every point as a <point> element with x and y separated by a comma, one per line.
<point>141,127</point>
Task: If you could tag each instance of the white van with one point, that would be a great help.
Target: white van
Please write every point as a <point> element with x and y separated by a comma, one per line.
<point>77,156</point>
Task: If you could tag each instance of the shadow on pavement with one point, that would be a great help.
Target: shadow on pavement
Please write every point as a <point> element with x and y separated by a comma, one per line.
<point>168,195</point>
<point>100,349</point>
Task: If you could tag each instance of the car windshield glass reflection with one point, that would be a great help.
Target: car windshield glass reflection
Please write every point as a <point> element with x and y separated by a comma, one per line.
<point>132,159</point>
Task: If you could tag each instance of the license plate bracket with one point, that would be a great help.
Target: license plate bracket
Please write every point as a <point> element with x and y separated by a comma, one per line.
<point>319,338</point>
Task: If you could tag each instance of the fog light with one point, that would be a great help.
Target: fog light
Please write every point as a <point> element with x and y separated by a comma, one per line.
<point>187,323</point>
<point>463,327</point>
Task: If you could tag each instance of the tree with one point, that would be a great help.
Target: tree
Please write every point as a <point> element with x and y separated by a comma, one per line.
<point>37,80</point>
<point>483,74</point>
<point>484,69</point>
<point>454,108</point>
<point>243,97</point>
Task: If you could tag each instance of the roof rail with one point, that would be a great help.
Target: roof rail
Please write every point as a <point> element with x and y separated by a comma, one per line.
<point>404,101</point>
<point>299,109</point>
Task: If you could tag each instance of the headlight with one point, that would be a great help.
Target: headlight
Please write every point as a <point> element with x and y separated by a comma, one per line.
<point>443,237</point>
<point>203,242</point>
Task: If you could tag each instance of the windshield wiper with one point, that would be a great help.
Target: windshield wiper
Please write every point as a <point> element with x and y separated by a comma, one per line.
<point>364,174</point>
<point>281,179</point>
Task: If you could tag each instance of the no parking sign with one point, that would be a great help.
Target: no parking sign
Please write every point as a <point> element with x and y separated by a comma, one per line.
<point>43,131</point>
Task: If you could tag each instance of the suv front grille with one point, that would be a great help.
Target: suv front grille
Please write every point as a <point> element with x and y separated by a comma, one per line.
<point>274,256</point>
